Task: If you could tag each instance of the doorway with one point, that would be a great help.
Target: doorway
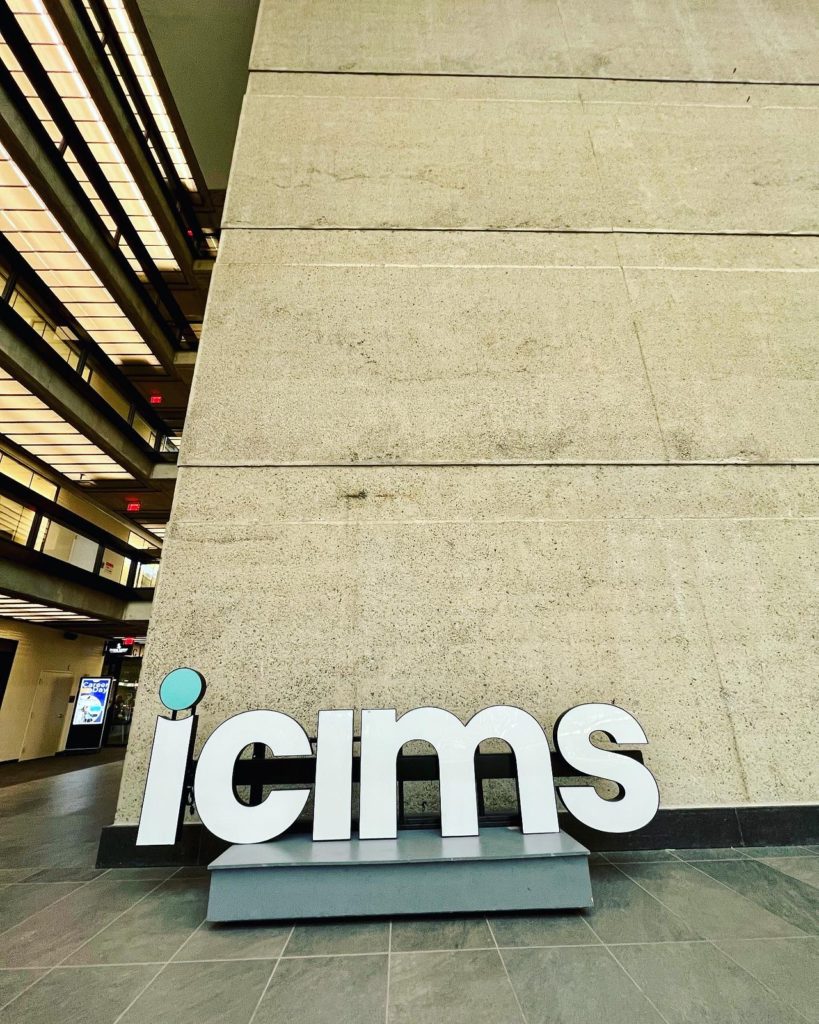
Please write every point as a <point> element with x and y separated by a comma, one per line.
<point>47,718</point>
<point>8,648</point>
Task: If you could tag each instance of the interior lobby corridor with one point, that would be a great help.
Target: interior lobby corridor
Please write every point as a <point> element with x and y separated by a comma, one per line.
<point>699,936</point>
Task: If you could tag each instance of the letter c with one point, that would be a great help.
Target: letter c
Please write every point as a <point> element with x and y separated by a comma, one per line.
<point>217,806</point>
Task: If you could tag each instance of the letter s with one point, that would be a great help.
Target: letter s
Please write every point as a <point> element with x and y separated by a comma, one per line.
<point>639,797</point>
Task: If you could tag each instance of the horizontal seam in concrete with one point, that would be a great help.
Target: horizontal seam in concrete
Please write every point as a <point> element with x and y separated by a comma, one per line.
<point>382,265</point>
<point>734,233</point>
<point>495,465</point>
<point>501,520</point>
<point>536,78</point>
<point>578,101</point>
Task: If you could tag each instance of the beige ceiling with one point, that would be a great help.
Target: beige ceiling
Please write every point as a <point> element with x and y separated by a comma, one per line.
<point>204,48</point>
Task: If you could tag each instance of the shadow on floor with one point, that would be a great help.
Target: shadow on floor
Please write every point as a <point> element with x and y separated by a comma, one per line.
<point>12,773</point>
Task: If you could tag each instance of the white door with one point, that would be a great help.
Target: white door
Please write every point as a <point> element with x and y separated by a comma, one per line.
<point>47,717</point>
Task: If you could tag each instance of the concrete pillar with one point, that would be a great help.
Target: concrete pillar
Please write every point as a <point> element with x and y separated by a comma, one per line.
<point>506,391</point>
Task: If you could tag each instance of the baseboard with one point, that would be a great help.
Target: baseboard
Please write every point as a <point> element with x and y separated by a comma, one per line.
<point>677,829</point>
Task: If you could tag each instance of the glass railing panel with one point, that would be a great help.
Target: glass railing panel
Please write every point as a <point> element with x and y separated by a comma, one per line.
<point>146,574</point>
<point>28,478</point>
<point>109,394</point>
<point>115,566</point>
<point>144,430</point>
<point>69,546</point>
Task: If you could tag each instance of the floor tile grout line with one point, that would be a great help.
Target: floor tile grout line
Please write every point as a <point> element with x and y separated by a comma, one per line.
<point>145,988</point>
<point>36,981</point>
<point>506,971</point>
<point>82,945</point>
<point>747,899</point>
<point>644,994</point>
<point>389,971</point>
<point>53,967</point>
<point>31,880</point>
<point>28,917</point>
<point>141,992</point>
<point>759,981</point>
<point>270,978</point>
<point>657,898</point>
<point>409,952</point>
<point>324,956</point>
<point>588,924</point>
<point>110,876</point>
<point>195,932</point>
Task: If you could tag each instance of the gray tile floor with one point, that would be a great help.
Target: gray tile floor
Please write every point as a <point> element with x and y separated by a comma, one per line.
<point>699,936</point>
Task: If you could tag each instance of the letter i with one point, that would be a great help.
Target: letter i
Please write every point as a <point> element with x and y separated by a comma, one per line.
<point>334,776</point>
<point>163,803</point>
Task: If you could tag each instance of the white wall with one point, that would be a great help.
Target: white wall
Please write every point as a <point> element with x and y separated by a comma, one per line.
<point>39,650</point>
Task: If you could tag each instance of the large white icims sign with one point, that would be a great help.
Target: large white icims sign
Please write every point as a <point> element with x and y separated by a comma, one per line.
<point>383,734</point>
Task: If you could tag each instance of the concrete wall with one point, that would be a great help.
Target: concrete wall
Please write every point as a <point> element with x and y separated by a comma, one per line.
<point>507,388</point>
<point>38,650</point>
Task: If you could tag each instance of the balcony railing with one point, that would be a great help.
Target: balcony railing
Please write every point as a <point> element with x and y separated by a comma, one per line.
<point>37,524</point>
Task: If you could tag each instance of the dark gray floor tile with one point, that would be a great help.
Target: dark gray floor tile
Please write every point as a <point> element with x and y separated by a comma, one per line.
<point>788,966</point>
<point>341,989</point>
<point>73,874</point>
<point>150,931</point>
<point>48,936</point>
<point>623,912</point>
<point>34,835</point>
<point>715,911</point>
<point>441,933</point>
<point>235,942</point>
<point>9,875</point>
<point>806,869</point>
<point>694,983</point>
<point>209,993</point>
<point>470,987</point>
<point>146,874</point>
<point>17,902</point>
<point>339,937</point>
<point>12,983</point>
<point>192,871</point>
<point>712,853</point>
<point>575,986</point>
<point>638,856</point>
<point>565,928</point>
<point>90,995</point>
<point>777,851</point>
<point>794,901</point>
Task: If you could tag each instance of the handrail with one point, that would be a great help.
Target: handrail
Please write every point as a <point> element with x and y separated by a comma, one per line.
<point>45,508</point>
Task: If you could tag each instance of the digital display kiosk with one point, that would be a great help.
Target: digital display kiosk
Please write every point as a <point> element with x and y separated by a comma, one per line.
<point>90,710</point>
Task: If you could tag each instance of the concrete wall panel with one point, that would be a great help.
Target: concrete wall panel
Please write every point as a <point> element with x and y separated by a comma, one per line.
<point>475,153</point>
<point>762,40</point>
<point>495,347</point>
<point>507,385</point>
<point>300,589</point>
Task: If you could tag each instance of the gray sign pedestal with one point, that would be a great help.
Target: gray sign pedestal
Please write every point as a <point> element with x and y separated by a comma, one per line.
<point>418,873</point>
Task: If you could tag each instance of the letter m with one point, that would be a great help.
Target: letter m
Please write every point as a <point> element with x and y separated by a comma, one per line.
<point>382,736</point>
